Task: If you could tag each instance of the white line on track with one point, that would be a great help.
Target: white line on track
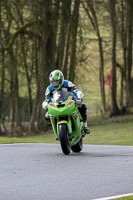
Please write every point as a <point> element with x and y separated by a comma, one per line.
<point>115,197</point>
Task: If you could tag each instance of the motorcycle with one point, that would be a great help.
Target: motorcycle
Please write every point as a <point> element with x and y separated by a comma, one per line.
<point>67,122</point>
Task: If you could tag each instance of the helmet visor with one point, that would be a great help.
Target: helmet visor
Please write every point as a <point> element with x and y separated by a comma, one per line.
<point>55,83</point>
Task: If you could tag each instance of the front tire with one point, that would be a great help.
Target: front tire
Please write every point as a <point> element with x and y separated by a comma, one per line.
<point>64,139</point>
<point>78,147</point>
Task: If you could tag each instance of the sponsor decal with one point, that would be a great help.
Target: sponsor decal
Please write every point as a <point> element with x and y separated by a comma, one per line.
<point>76,114</point>
<point>52,105</point>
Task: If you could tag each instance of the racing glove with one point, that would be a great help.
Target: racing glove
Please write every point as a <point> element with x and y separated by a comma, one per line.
<point>78,101</point>
<point>45,105</point>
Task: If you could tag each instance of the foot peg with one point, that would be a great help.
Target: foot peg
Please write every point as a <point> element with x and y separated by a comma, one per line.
<point>58,139</point>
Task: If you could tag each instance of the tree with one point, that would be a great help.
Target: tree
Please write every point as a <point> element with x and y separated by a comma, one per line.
<point>2,66</point>
<point>122,31</point>
<point>74,29</point>
<point>46,12</point>
<point>91,13</point>
<point>114,106</point>
<point>129,91</point>
<point>64,37</point>
<point>125,25</point>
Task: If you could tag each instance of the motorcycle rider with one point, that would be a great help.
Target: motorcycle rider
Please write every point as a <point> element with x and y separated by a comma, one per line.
<point>57,82</point>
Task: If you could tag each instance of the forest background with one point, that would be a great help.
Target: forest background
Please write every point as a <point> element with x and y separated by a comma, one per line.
<point>90,41</point>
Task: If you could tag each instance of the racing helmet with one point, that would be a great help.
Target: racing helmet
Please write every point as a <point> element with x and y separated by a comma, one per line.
<point>56,78</point>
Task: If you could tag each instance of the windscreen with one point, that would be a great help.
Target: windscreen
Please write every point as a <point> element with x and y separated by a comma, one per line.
<point>61,96</point>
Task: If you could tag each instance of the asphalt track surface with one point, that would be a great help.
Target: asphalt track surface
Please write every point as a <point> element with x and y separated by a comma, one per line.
<point>43,172</point>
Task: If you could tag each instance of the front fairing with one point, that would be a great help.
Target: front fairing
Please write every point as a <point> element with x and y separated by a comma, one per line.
<point>60,105</point>
<point>58,110</point>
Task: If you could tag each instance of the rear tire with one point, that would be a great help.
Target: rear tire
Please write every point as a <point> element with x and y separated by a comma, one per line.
<point>78,147</point>
<point>64,139</point>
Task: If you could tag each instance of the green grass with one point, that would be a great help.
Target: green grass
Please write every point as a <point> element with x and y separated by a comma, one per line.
<point>46,138</point>
<point>110,134</point>
<point>126,198</point>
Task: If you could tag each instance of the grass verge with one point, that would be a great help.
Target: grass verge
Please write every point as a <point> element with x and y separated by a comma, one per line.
<point>111,134</point>
<point>126,198</point>
<point>107,134</point>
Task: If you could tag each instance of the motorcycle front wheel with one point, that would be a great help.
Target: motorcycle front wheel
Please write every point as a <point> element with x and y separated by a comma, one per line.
<point>78,147</point>
<point>64,139</point>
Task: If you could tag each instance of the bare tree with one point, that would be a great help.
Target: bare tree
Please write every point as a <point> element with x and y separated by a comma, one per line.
<point>114,106</point>
<point>129,54</point>
<point>2,78</point>
<point>91,13</point>
<point>64,37</point>
<point>74,29</point>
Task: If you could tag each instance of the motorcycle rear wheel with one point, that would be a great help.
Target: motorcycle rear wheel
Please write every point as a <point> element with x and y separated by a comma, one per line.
<point>78,147</point>
<point>64,139</point>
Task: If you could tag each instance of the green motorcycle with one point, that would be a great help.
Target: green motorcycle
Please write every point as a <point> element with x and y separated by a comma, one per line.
<point>66,121</point>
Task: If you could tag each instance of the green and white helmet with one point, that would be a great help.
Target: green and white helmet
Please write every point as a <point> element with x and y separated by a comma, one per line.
<point>56,78</point>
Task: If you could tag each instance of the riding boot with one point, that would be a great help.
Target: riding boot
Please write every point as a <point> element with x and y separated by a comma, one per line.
<point>86,129</point>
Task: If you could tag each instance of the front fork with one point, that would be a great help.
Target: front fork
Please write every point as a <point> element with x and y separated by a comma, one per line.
<point>69,126</point>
